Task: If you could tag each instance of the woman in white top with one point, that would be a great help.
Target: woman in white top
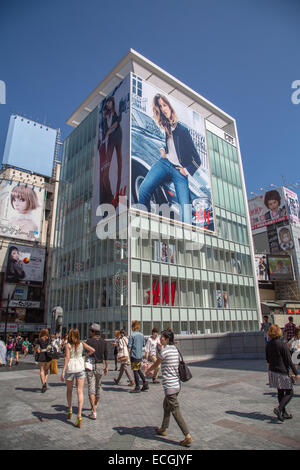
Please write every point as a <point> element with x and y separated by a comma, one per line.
<point>74,368</point>
<point>294,344</point>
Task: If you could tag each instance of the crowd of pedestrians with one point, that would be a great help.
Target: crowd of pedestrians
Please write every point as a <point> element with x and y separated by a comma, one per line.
<point>89,360</point>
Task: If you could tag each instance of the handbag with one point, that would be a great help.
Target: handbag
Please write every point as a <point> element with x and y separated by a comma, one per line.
<point>121,356</point>
<point>53,367</point>
<point>52,352</point>
<point>183,370</point>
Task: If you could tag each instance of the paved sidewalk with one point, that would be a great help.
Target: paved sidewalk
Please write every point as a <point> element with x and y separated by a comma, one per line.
<point>227,405</point>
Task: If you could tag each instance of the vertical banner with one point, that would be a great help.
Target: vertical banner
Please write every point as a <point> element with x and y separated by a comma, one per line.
<point>111,170</point>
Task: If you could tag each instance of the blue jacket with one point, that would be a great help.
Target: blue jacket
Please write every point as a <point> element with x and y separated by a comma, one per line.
<point>136,343</point>
<point>185,148</point>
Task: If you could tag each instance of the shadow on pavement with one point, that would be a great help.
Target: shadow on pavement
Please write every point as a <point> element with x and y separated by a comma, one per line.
<point>145,432</point>
<point>254,415</point>
<point>47,416</point>
<point>256,365</point>
<point>117,388</point>
<point>33,390</point>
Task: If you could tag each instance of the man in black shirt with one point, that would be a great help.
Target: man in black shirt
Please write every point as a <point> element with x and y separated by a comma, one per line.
<point>96,365</point>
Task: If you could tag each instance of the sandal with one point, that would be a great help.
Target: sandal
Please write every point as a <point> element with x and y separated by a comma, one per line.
<point>186,442</point>
<point>93,415</point>
<point>116,382</point>
<point>78,422</point>
<point>69,416</point>
<point>161,432</point>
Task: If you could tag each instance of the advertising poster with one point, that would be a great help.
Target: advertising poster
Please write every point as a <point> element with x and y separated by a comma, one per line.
<point>111,175</point>
<point>164,252</point>
<point>292,205</point>
<point>267,209</point>
<point>285,238</point>
<point>169,163</point>
<point>262,269</point>
<point>281,268</point>
<point>21,210</point>
<point>25,265</point>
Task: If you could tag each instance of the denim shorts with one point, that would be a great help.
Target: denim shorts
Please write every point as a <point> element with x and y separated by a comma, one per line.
<point>74,375</point>
<point>9,354</point>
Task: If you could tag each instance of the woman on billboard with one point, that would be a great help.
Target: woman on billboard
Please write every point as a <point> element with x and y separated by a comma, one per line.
<point>179,158</point>
<point>111,140</point>
<point>14,270</point>
<point>24,200</point>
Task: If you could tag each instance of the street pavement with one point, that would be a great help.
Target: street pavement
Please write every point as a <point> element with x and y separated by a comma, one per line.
<point>227,405</point>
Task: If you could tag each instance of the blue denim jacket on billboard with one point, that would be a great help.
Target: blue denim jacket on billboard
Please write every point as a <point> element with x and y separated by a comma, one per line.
<point>136,343</point>
<point>185,148</point>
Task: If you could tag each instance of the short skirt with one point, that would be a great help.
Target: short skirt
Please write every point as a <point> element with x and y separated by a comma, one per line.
<point>280,381</point>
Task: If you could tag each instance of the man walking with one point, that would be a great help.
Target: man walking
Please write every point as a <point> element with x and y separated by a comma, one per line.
<point>94,375</point>
<point>289,329</point>
<point>136,343</point>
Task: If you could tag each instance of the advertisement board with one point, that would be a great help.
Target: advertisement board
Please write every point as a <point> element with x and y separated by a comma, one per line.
<point>262,268</point>
<point>292,205</point>
<point>21,210</point>
<point>111,170</point>
<point>25,264</point>
<point>30,145</point>
<point>280,267</point>
<point>267,209</point>
<point>170,173</point>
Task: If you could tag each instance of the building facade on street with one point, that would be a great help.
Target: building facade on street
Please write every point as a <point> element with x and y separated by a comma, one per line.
<point>151,259</point>
<point>27,215</point>
<point>275,222</point>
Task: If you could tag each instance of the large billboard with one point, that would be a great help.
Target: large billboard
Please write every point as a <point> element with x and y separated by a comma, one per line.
<point>267,209</point>
<point>262,267</point>
<point>170,173</point>
<point>111,170</point>
<point>292,205</point>
<point>24,265</point>
<point>281,268</point>
<point>21,210</point>
<point>30,145</point>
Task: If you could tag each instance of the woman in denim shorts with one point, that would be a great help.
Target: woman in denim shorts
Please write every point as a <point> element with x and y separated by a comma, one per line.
<point>74,369</point>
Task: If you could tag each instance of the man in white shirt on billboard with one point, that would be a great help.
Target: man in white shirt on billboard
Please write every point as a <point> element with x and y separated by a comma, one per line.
<point>152,348</point>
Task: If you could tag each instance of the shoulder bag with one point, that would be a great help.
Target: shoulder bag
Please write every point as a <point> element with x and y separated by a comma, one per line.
<point>183,370</point>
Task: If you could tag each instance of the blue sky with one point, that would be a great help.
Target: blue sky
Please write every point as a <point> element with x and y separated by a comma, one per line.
<point>242,55</point>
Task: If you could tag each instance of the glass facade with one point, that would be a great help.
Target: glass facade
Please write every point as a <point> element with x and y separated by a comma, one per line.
<point>172,275</point>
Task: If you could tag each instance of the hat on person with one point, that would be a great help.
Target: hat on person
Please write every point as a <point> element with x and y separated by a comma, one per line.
<point>95,327</point>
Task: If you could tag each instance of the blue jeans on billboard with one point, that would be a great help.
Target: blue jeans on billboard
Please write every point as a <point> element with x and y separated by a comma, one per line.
<point>164,172</point>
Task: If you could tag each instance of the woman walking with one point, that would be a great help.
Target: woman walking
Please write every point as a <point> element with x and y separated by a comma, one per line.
<point>74,369</point>
<point>294,345</point>
<point>114,343</point>
<point>43,343</point>
<point>280,363</point>
<point>123,356</point>
<point>168,358</point>
<point>9,350</point>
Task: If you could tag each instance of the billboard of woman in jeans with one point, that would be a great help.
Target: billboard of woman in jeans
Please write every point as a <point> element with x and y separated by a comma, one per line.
<point>169,157</point>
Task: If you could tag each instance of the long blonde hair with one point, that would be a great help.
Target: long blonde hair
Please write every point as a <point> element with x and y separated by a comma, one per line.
<point>74,338</point>
<point>160,118</point>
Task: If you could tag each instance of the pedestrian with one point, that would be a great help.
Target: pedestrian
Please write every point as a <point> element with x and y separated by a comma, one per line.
<point>294,345</point>
<point>9,350</point>
<point>289,329</point>
<point>123,358</point>
<point>18,347</point>
<point>152,347</point>
<point>2,353</point>
<point>264,327</point>
<point>280,363</point>
<point>96,367</point>
<point>168,358</point>
<point>43,344</point>
<point>26,345</point>
<point>74,369</point>
<point>135,345</point>
<point>117,334</point>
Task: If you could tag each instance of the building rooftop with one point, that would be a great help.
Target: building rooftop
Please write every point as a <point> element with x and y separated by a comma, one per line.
<point>147,70</point>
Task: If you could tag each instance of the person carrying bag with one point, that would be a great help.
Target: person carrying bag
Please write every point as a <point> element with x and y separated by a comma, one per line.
<point>123,358</point>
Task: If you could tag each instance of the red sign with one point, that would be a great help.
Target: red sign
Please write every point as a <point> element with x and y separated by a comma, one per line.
<point>291,310</point>
<point>165,294</point>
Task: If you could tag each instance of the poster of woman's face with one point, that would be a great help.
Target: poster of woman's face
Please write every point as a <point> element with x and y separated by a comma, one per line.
<point>169,160</point>
<point>267,209</point>
<point>21,210</point>
<point>25,264</point>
